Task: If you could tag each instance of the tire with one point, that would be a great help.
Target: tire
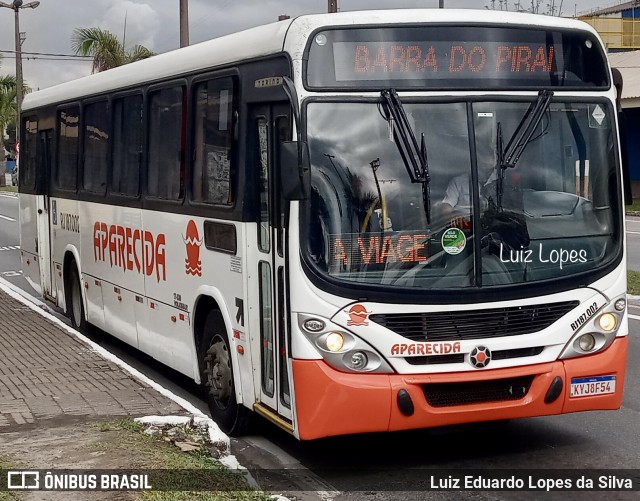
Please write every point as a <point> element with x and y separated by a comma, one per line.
<point>75,305</point>
<point>216,373</point>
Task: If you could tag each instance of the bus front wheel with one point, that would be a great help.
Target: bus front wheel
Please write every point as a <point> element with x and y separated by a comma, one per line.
<point>75,306</point>
<point>216,373</point>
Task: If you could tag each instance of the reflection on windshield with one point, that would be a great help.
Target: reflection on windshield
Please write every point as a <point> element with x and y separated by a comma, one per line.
<point>366,219</point>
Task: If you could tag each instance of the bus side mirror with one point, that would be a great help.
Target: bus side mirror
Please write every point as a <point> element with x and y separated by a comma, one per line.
<point>294,170</point>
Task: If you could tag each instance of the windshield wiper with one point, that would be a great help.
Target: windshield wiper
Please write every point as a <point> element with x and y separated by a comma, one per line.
<point>508,157</point>
<point>413,155</point>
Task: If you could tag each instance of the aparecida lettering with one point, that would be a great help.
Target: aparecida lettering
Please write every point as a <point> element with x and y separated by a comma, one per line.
<point>130,249</point>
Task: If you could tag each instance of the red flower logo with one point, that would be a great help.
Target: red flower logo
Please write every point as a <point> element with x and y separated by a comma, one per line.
<point>358,315</point>
<point>192,240</point>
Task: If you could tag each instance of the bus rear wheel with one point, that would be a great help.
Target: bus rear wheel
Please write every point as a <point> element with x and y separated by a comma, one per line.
<point>75,306</point>
<point>216,373</point>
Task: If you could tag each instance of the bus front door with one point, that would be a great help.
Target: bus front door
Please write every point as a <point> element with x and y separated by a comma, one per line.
<point>44,215</point>
<point>270,125</point>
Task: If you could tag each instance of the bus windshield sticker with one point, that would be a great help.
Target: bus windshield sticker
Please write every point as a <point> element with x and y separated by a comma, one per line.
<point>453,241</point>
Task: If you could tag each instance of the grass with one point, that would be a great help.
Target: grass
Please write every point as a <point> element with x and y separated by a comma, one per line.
<point>633,282</point>
<point>9,188</point>
<point>634,207</point>
<point>5,464</point>
<point>153,453</point>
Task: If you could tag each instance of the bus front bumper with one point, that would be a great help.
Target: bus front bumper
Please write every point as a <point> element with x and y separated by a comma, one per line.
<point>329,402</point>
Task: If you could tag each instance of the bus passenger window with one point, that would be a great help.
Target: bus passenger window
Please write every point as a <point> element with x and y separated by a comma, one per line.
<point>214,142</point>
<point>96,146</point>
<point>165,144</point>
<point>28,167</point>
<point>67,173</point>
<point>127,145</point>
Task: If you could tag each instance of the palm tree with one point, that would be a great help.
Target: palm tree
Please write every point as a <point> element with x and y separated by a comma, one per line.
<point>7,107</point>
<point>105,48</point>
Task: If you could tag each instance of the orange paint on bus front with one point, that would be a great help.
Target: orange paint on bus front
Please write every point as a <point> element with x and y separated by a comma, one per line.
<point>329,402</point>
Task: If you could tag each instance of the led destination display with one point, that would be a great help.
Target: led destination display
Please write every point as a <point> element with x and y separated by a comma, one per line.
<point>443,57</point>
<point>400,60</point>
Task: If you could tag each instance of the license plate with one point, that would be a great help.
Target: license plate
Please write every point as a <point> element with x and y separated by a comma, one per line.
<point>588,386</point>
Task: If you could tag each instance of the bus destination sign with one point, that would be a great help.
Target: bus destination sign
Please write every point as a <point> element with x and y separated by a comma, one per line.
<point>446,60</point>
<point>446,57</point>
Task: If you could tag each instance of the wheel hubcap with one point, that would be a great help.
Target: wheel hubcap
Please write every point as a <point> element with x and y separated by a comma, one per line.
<point>218,374</point>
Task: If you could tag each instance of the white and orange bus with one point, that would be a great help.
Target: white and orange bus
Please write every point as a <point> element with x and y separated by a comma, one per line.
<point>359,222</point>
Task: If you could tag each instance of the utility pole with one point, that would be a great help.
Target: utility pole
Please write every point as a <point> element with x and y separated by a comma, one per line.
<point>184,23</point>
<point>16,5</point>
<point>441,4</point>
<point>333,6</point>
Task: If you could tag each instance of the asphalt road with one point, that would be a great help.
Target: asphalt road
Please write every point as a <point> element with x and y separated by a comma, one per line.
<point>633,243</point>
<point>10,266</point>
<point>383,464</point>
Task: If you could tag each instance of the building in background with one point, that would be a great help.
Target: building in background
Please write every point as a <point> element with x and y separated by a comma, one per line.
<point>619,27</point>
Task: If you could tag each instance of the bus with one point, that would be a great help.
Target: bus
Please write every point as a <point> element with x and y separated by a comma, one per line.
<point>300,217</point>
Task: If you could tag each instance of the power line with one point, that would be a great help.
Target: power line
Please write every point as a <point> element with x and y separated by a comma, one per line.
<point>73,56</point>
<point>49,58</point>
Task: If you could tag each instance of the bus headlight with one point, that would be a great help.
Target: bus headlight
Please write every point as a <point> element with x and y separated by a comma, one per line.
<point>334,341</point>
<point>586,342</point>
<point>341,348</point>
<point>598,332</point>
<point>359,360</point>
<point>607,322</point>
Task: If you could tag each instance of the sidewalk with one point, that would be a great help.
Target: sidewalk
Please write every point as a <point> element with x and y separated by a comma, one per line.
<point>47,374</point>
<point>61,404</point>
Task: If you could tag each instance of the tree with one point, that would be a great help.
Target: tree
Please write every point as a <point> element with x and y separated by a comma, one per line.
<point>105,48</point>
<point>7,107</point>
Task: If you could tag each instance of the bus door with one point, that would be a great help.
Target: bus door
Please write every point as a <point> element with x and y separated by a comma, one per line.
<point>44,213</point>
<point>271,124</point>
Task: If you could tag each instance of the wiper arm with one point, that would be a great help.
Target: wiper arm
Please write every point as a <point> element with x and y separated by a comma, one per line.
<point>525,129</point>
<point>501,164</point>
<point>508,157</point>
<point>413,155</point>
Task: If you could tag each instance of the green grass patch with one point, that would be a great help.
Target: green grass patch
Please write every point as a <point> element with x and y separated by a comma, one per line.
<point>635,206</point>
<point>5,464</point>
<point>121,424</point>
<point>9,188</point>
<point>633,282</point>
<point>209,479</point>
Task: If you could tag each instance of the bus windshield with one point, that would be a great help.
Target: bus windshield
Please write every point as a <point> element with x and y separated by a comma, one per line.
<point>552,214</point>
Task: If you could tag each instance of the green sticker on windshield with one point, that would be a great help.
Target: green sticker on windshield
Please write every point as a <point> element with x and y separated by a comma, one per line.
<point>453,241</point>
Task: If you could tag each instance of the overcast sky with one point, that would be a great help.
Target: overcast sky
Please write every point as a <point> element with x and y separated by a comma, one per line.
<point>154,23</point>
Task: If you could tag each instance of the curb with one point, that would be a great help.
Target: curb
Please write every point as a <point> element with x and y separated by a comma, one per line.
<point>214,432</point>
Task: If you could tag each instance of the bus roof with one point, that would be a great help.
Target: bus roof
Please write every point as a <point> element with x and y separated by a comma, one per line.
<point>289,35</point>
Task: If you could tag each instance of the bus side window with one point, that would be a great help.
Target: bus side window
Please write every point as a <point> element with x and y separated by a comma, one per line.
<point>127,145</point>
<point>68,141</point>
<point>165,144</point>
<point>214,141</point>
<point>96,146</point>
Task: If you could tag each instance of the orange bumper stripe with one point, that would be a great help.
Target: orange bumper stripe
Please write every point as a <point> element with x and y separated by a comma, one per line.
<point>329,402</point>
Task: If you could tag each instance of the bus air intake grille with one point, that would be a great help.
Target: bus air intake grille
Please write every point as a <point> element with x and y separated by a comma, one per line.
<point>474,324</point>
<point>476,392</point>
<point>458,358</point>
